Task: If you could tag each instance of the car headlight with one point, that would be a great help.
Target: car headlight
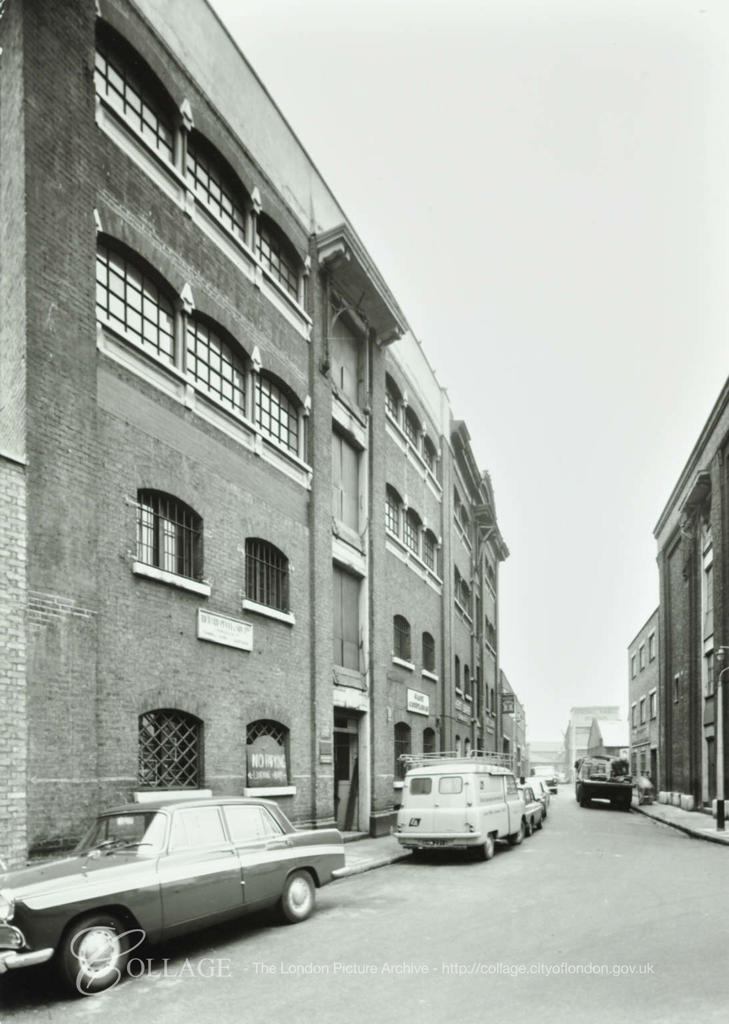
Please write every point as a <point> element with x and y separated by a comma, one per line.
<point>7,905</point>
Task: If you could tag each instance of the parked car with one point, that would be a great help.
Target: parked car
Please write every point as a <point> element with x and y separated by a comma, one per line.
<point>153,870</point>
<point>548,777</point>
<point>604,778</point>
<point>533,810</point>
<point>464,803</point>
<point>541,791</point>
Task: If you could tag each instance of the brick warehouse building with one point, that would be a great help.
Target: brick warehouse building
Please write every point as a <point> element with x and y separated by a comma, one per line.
<point>693,635</point>
<point>245,545</point>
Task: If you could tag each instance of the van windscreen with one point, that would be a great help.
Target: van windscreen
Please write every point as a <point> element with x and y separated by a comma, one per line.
<point>421,787</point>
<point>450,784</point>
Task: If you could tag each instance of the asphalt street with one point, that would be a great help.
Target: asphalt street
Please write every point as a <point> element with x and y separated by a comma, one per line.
<point>601,916</point>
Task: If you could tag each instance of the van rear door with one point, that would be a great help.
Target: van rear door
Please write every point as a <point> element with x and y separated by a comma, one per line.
<point>454,792</point>
<point>416,812</point>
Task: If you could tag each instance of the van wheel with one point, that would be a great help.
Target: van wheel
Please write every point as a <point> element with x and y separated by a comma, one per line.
<point>517,837</point>
<point>486,850</point>
<point>529,829</point>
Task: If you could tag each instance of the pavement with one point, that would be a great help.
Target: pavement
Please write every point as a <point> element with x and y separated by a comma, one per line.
<point>693,823</point>
<point>365,854</point>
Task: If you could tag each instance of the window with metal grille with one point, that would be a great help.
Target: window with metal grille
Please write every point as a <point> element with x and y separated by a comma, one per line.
<point>276,414</point>
<point>277,257</point>
<point>412,428</point>
<point>457,672</point>
<point>132,93</point>
<point>129,301</point>
<point>402,746</point>
<point>430,549</point>
<point>270,741</point>
<point>428,741</point>
<point>215,186</point>
<point>267,575</point>
<point>215,365</point>
<point>170,750</point>
<point>169,535</point>
<point>429,454</point>
<point>411,531</point>
<point>466,681</point>
<point>392,511</point>
<point>428,652</point>
<point>392,399</point>
<point>401,637</point>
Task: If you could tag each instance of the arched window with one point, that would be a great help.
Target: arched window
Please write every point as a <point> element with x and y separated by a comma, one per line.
<point>130,88</point>
<point>216,365</point>
<point>457,672</point>
<point>169,534</point>
<point>267,754</point>
<point>466,681</point>
<point>411,531</point>
<point>216,185</point>
<point>429,741</point>
<point>401,638</point>
<point>430,550</point>
<point>428,652</point>
<point>458,746</point>
<point>277,413</point>
<point>412,428</point>
<point>170,750</point>
<point>278,256</point>
<point>393,398</point>
<point>392,510</point>
<point>466,747</point>
<point>267,575</point>
<point>130,300</point>
<point>402,746</point>
<point>430,455</point>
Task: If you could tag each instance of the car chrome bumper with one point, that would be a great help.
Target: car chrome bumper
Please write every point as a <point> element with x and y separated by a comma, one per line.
<point>10,960</point>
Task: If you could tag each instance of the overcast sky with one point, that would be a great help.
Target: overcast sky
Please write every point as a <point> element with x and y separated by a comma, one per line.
<point>543,184</point>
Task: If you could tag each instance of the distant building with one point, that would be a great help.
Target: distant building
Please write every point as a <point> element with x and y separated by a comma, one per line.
<point>609,739</point>
<point>547,754</point>
<point>577,734</point>
<point>513,724</point>
<point>643,683</point>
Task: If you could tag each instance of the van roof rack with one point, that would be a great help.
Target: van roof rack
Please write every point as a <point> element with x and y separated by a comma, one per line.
<point>479,756</point>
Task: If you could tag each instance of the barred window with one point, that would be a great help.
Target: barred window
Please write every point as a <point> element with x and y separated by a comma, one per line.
<point>428,652</point>
<point>267,575</point>
<point>412,428</point>
<point>402,746</point>
<point>130,89</point>
<point>267,753</point>
<point>466,681</point>
<point>129,301</point>
<point>392,398</point>
<point>412,531</point>
<point>430,548</point>
<point>401,638</point>
<point>276,414</point>
<point>392,511</point>
<point>169,535</point>
<point>278,258</point>
<point>170,750</point>
<point>215,186</point>
<point>457,672</point>
<point>214,365</point>
<point>428,741</point>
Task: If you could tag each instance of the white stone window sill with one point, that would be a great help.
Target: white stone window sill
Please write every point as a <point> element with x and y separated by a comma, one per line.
<point>145,796</point>
<point>269,791</point>
<point>429,675</point>
<point>270,613</point>
<point>162,576</point>
<point>403,664</point>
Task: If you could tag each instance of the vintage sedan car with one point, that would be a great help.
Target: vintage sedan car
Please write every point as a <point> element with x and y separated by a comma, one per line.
<point>153,870</point>
<point>541,791</point>
<point>533,810</point>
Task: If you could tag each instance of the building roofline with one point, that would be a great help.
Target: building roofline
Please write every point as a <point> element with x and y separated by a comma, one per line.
<point>652,614</point>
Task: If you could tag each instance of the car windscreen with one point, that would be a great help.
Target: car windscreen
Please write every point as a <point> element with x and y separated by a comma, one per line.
<point>141,832</point>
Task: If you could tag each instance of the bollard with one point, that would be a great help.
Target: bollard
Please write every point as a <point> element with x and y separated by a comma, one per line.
<point>720,815</point>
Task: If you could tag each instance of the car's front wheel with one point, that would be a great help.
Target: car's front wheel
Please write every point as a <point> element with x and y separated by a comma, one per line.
<point>297,898</point>
<point>93,953</point>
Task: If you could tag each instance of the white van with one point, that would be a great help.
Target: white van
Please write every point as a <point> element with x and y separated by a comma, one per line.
<point>460,803</point>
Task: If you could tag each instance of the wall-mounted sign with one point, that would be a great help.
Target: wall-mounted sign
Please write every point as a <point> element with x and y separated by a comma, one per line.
<point>220,629</point>
<point>507,703</point>
<point>418,702</point>
<point>266,762</point>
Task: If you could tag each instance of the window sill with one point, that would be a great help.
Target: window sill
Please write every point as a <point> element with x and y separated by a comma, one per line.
<point>270,613</point>
<point>162,576</point>
<point>403,664</point>
<point>269,791</point>
<point>426,674</point>
<point>145,796</point>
